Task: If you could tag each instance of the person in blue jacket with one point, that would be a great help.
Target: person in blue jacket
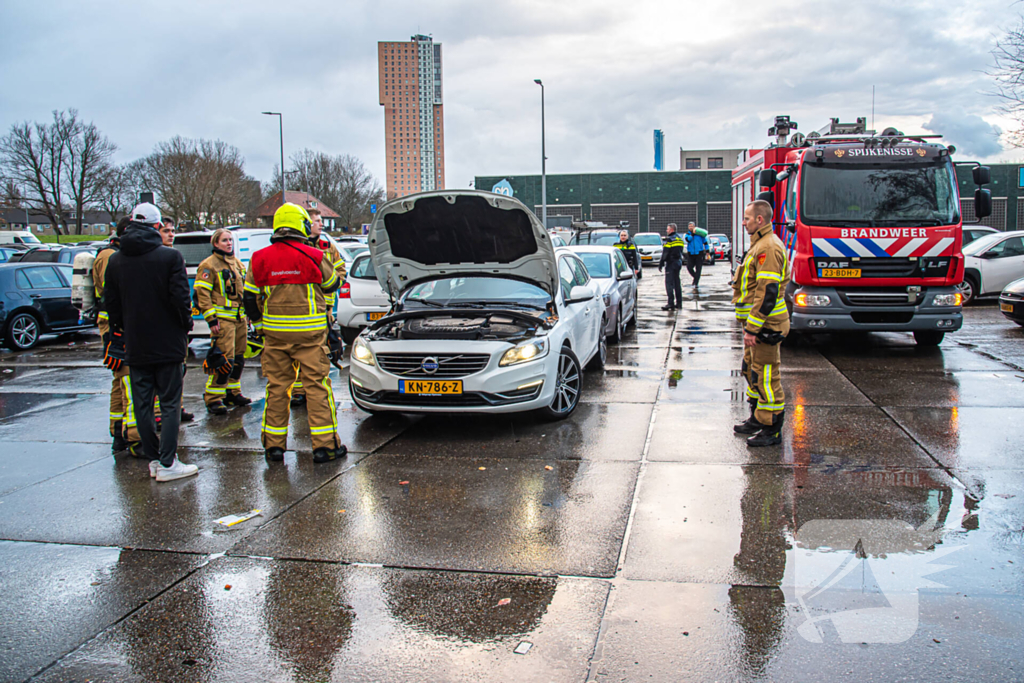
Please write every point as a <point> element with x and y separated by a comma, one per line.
<point>696,246</point>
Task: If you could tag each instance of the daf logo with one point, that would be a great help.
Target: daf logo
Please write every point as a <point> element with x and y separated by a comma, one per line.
<point>429,365</point>
<point>833,264</point>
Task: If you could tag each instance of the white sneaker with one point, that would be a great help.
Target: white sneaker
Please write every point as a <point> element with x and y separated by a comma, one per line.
<point>177,470</point>
<point>153,465</point>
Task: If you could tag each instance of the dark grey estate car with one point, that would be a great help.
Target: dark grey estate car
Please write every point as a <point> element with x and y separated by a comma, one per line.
<point>35,299</point>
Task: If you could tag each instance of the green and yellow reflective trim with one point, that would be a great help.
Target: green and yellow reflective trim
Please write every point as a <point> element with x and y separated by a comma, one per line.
<point>330,281</point>
<point>294,323</point>
<point>103,316</point>
<point>768,275</point>
<point>213,388</point>
<point>129,415</point>
<point>202,285</point>
<point>251,288</point>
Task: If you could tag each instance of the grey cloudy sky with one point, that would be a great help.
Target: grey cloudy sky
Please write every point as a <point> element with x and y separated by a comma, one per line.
<point>710,74</point>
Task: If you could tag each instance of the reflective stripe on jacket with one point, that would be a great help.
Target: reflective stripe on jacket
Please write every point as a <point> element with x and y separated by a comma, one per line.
<point>672,250</point>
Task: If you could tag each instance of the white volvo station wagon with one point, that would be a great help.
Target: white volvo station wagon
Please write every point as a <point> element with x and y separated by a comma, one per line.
<point>489,317</point>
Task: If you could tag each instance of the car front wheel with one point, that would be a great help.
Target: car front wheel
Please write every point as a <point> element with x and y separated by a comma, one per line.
<point>568,385</point>
<point>969,289</point>
<point>23,332</point>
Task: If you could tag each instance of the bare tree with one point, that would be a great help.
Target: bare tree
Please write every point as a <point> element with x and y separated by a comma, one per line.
<point>35,157</point>
<point>118,188</point>
<point>89,153</point>
<point>342,182</point>
<point>1008,73</point>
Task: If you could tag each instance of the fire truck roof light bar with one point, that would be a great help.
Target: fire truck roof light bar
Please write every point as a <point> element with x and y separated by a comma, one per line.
<point>861,138</point>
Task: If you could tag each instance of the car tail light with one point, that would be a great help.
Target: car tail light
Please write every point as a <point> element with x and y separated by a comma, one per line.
<point>345,291</point>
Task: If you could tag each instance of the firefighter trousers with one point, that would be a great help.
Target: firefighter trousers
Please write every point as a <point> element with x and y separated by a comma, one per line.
<point>122,414</point>
<point>231,341</point>
<point>314,366</point>
<point>762,368</point>
<point>297,389</point>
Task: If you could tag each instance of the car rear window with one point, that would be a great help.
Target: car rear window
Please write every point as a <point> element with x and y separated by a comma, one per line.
<point>40,256</point>
<point>647,240</point>
<point>362,269</point>
<point>195,249</point>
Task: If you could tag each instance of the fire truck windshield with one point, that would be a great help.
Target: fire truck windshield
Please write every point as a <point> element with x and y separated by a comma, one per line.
<point>849,195</point>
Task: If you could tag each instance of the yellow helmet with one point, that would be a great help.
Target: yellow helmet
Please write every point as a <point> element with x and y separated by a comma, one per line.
<point>292,217</point>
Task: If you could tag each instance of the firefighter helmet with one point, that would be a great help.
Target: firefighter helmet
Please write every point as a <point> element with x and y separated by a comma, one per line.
<point>292,217</point>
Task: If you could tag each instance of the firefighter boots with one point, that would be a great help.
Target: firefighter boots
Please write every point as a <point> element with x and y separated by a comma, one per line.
<point>750,425</point>
<point>770,435</point>
<point>274,454</point>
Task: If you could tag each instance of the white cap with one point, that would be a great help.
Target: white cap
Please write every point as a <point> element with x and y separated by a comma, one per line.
<point>146,213</point>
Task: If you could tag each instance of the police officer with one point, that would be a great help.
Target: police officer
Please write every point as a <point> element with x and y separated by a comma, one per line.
<point>629,251</point>
<point>122,415</point>
<point>759,288</point>
<point>285,300</point>
<point>218,294</point>
<point>672,263</point>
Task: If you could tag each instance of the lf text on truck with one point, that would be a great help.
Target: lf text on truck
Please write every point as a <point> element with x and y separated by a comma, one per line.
<point>871,223</point>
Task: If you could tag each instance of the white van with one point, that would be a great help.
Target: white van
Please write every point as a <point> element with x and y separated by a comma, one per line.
<point>18,237</point>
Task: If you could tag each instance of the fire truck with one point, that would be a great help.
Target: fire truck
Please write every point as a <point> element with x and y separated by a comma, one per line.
<point>871,222</point>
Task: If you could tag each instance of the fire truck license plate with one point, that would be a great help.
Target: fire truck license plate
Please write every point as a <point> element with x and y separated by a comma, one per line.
<point>840,272</point>
<point>1005,308</point>
<point>370,317</point>
<point>429,386</point>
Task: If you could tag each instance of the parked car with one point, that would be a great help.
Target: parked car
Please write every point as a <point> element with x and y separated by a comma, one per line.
<point>18,237</point>
<point>361,300</point>
<point>488,316</point>
<point>1011,301</point>
<point>51,254</point>
<point>649,245</point>
<point>6,253</point>
<point>36,301</point>
<point>720,246</point>
<point>349,249</point>
<point>974,232</point>
<point>616,284</point>
<point>991,262</point>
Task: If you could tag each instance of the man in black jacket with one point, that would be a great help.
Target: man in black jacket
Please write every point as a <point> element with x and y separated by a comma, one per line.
<point>147,299</point>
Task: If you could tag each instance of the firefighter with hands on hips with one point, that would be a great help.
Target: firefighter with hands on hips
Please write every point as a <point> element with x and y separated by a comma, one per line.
<point>629,251</point>
<point>759,288</point>
<point>318,240</point>
<point>285,298</point>
<point>219,284</point>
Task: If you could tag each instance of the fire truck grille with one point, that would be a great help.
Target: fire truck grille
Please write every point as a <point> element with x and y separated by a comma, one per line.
<point>887,267</point>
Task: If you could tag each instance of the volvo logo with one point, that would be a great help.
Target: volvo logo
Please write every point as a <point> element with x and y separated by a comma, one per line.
<point>429,365</point>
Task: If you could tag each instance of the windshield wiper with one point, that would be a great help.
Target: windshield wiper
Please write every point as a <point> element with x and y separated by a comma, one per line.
<point>424,301</point>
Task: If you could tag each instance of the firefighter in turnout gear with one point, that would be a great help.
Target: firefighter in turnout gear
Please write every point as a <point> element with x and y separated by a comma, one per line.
<point>629,251</point>
<point>759,288</point>
<point>285,299</point>
<point>220,281</point>
<point>318,240</point>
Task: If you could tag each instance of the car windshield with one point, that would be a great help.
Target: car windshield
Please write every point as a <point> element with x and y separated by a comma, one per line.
<point>470,290</point>
<point>349,253</point>
<point>598,265</point>
<point>982,244</point>
<point>846,195</point>
<point>362,269</point>
<point>647,240</point>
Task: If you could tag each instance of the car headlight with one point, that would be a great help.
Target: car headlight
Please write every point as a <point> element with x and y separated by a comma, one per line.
<point>362,353</point>
<point>956,299</point>
<point>805,300</point>
<point>532,350</point>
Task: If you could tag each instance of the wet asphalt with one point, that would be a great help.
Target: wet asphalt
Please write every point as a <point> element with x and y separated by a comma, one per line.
<point>638,540</point>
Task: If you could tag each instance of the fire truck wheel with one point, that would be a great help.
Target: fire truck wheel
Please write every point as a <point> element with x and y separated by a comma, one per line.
<point>928,337</point>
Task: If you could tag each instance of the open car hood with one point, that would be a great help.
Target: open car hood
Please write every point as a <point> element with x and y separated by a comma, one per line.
<point>459,232</point>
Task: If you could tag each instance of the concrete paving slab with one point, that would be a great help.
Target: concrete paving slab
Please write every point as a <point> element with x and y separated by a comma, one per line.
<point>58,596</point>
<point>802,387</point>
<point>513,516</point>
<point>685,632</point>
<point>292,621</point>
<point>961,388</point>
<point>613,431</point>
<point>620,386</point>
<point>728,524</point>
<point>627,357</point>
<point>968,437</point>
<point>113,502</point>
<point>902,359</point>
<point>29,462</point>
<point>87,380</point>
<point>16,404</point>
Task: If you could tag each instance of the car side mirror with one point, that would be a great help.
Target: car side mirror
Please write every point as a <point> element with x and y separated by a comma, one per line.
<point>579,294</point>
<point>624,275</point>
<point>982,175</point>
<point>988,254</point>
<point>982,202</point>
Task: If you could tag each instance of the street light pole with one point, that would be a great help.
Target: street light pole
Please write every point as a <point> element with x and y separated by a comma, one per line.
<point>280,121</point>
<point>543,162</point>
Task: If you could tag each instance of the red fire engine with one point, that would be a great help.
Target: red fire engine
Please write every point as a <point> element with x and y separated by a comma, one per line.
<point>872,224</point>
